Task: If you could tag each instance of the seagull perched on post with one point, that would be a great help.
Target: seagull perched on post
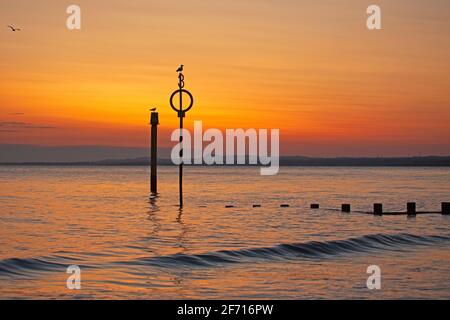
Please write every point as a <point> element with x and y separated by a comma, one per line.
<point>180,69</point>
<point>13,29</point>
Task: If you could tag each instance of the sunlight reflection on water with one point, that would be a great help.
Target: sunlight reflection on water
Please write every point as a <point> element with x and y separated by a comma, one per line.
<point>130,246</point>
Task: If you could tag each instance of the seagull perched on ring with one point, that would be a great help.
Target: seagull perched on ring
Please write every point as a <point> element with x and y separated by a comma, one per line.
<point>180,69</point>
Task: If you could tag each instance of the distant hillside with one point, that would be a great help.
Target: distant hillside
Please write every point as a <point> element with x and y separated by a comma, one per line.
<point>430,161</point>
<point>32,153</point>
<point>123,156</point>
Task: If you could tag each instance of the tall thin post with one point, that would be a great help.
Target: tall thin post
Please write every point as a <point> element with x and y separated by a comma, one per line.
<point>154,121</point>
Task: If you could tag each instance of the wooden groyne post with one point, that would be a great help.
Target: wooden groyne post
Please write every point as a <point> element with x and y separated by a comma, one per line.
<point>411,208</point>
<point>445,207</point>
<point>154,121</point>
<point>378,209</point>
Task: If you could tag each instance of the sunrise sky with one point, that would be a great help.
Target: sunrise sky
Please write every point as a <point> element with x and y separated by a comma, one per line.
<point>310,68</point>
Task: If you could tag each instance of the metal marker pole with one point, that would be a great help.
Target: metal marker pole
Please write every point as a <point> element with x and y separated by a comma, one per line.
<point>181,163</point>
<point>181,114</point>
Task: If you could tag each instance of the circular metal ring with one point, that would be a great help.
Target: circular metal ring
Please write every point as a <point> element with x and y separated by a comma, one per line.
<point>180,91</point>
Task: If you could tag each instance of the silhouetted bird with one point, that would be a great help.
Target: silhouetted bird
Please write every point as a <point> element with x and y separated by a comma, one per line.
<point>180,69</point>
<point>13,29</point>
<point>153,109</point>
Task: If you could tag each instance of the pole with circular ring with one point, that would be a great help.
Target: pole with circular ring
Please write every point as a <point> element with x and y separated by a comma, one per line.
<point>181,114</point>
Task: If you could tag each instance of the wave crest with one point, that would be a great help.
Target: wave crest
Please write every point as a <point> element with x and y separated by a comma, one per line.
<point>307,250</point>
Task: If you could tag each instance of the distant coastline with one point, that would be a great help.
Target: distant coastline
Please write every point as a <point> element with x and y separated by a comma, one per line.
<point>426,161</point>
<point>34,155</point>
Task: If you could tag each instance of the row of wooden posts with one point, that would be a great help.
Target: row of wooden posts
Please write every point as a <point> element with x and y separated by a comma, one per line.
<point>410,209</point>
<point>377,209</point>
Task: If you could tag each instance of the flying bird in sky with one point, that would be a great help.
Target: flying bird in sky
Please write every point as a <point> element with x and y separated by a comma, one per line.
<point>13,29</point>
<point>180,69</point>
<point>153,109</point>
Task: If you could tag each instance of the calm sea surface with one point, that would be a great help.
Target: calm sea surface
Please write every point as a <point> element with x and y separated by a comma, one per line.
<point>128,246</point>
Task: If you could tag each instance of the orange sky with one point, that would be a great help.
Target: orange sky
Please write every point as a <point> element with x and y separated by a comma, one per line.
<point>310,68</point>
